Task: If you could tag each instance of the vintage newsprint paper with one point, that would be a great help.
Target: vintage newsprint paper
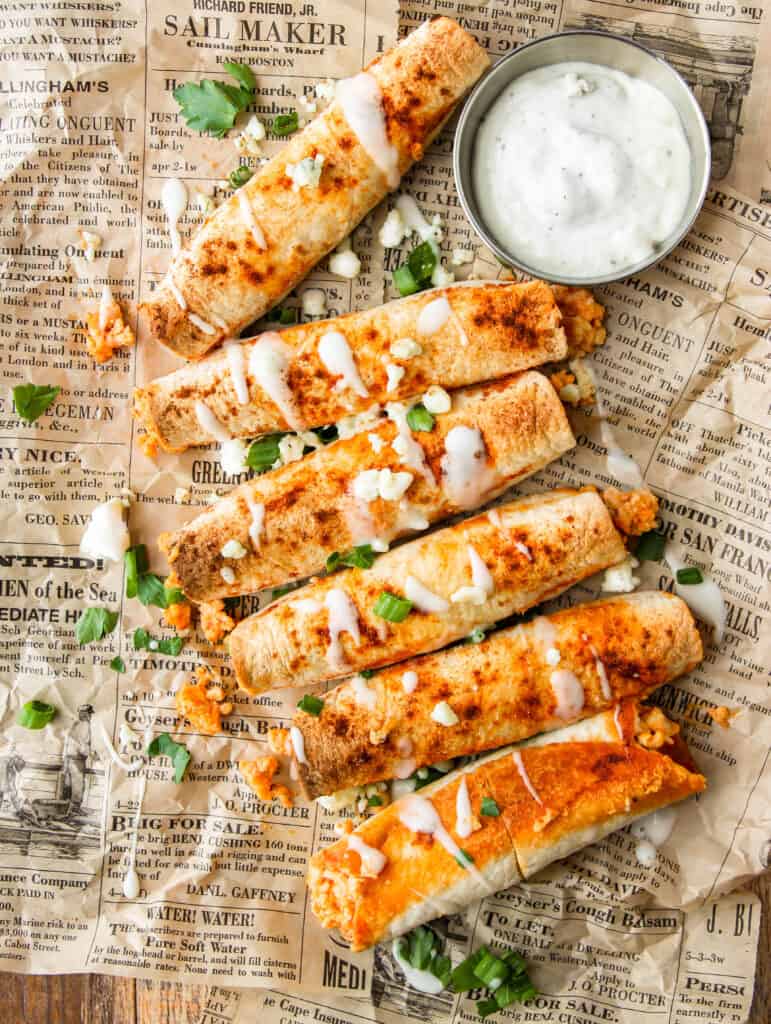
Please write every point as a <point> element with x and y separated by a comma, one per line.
<point>90,133</point>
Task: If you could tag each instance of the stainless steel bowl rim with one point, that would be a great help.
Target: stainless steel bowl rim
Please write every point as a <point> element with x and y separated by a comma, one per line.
<point>481,228</point>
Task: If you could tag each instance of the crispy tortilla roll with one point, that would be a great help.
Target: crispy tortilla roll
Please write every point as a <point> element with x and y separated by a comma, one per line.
<point>518,682</point>
<point>308,509</point>
<point>264,239</point>
<point>317,373</point>
<point>428,592</point>
<point>436,851</point>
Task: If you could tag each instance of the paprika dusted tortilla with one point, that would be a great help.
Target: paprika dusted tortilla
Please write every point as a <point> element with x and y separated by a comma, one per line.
<point>428,592</point>
<point>266,237</point>
<point>519,681</point>
<point>287,522</point>
<point>436,851</point>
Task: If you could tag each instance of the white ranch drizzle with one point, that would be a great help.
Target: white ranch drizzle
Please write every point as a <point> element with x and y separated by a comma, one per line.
<point>520,766</point>
<point>480,574</point>
<point>425,600</point>
<point>433,316</point>
<point>174,203</point>
<point>419,815</point>
<point>269,365</point>
<point>131,884</point>
<point>235,356</point>
<point>362,694</point>
<point>257,525</point>
<point>523,549</point>
<point>298,744</point>
<point>335,353</point>
<point>459,328</point>
<point>343,618</point>
<point>408,449</point>
<point>306,606</point>
<point>705,599</point>
<point>465,475</point>
<point>651,831</point>
<point>251,221</point>
<point>209,422</point>
<point>568,693</point>
<point>361,101</point>
<point>105,302</point>
<point>617,722</point>
<point>607,693</point>
<point>403,769</point>
<point>372,861</point>
<point>413,217</point>
<point>495,519</point>
<point>179,297</point>
<point>464,822</point>
<point>422,981</point>
<point>201,324</point>
<point>409,682</point>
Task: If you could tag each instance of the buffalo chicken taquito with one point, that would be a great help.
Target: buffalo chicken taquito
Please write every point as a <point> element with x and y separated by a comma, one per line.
<point>497,822</point>
<point>321,372</point>
<point>519,681</point>
<point>296,208</point>
<point>432,591</point>
<point>365,490</point>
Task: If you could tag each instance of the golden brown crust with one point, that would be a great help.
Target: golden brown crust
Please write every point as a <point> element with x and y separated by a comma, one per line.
<point>499,689</point>
<point>505,329</point>
<point>585,787</point>
<point>226,279</point>
<point>309,511</point>
<point>546,543</point>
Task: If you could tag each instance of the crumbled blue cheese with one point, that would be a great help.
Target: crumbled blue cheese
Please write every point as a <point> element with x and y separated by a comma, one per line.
<point>443,714</point>
<point>227,574</point>
<point>233,549</point>
<point>381,483</point>
<point>290,448</point>
<point>394,374</point>
<point>461,256</point>
<point>377,443</point>
<point>306,173</point>
<point>325,90</point>
<point>620,579</point>
<point>405,348</point>
<point>314,302</point>
<point>344,262</point>
<point>359,422</point>
<point>250,139</point>
<point>436,400</point>
<point>233,455</point>
<point>394,230</point>
<point>441,277</point>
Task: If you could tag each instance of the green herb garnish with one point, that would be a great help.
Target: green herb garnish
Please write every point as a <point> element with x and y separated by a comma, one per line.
<point>419,418</point>
<point>374,801</point>
<point>327,434</point>
<point>361,557</point>
<point>212,107</point>
<point>264,453</point>
<point>650,547</point>
<point>476,636</point>
<point>35,714</point>
<point>93,624</point>
<point>31,400</point>
<point>240,176</point>
<point>118,664</point>
<point>143,641</point>
<point>464,859</point>
<point>404,281</point>
<point>505,978</point>
<point>165,746</point>
<point>310,705</point>
<point>149,588</point>
<point>489,808</point>
<point>285,124</point>
<point>422,949</point>
<point>689,576</point>
<point>367,673</point>
<point>392,608</point>
<point>422,262</point>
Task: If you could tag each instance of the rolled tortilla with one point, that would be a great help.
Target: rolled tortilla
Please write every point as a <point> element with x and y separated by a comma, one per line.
<point>526,550</point>
<point>482,331</point>
<point>306,510</point>
<point>415,860</point>
<point>518,682</point>
<point>264,239</point>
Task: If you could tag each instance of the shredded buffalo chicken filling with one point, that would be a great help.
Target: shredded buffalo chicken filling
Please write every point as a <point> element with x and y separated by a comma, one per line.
<point>258,775</point>
<point>633,512</point>
<point>104,337</point>
<point>214,621</point>
<point>582,319</point>
<point>654,729</point>
<point>203,703</point>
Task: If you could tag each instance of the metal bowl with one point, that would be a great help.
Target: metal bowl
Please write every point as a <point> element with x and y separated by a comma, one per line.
<point>596,48</point>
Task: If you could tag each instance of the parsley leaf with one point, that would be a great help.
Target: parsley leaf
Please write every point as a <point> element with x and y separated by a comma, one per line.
<point>165,746</point>
<point>31,400</point>
<point>212,107</point>
<point>171,645</point>
<point>151,590</point>
<point>118,664</point>
<point>93,624</point>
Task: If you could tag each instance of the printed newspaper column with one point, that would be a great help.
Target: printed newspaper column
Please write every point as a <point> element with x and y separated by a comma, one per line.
<point>71,170</point>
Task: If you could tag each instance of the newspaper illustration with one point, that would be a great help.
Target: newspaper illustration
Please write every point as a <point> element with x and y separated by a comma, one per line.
<point>108,865</point>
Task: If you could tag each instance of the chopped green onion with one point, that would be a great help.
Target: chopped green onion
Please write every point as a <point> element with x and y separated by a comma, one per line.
<point>404,282</point>
<point>392,608</point>
<point>118,665</point>
<point>310,705</point>
<point>490,808</point>
<point>487,1007</point>
<point>136,563</point>
<point>361,557</point>
<point>419,418</point>
<point>491,970</point>
<point>463,978</point>
<point>165,746</point>
<point>35,714</point>
<point>476,636</point>
<point>93,624</point>
<point>690,575</point>
<point>287,588</point>
<point>287,315</point>
<point>425,776</point>
<point>264,452</point>
<point>421,262</point>
<point>285,124</point>
<point>515,990</point>
<point>367,673</point>
<point>240,176</point>
<point>327,434</point>
<point>650,547</point>
<point>374,801</point>
<point>464,859</point>
<point>422,949</point>
<point>441,968</point>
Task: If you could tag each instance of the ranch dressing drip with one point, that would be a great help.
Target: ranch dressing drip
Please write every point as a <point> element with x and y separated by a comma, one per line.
<point>256,526</point>
<point>251,221</point>
<point>235,356</point>
<point>520,766</point>
<point>568,693</point>
<point>174,203</point>
<point>269,365</point>
<point>425,600</point>
<point>343,618</point>
<point>335,353</point>
<point>201,324</point>
<point>208,421</point>
<point>581,170</point>
<point>178,296</point>
<point>480,574</point>
<point>651,831</point>
<point>422,981</point>
<point>131,883</point>
<point>465,474</point>
<point>464,822</point>
<point>433,316</point>
<point>361,101</point>
<point>372,860</point>
<point>705,599</point>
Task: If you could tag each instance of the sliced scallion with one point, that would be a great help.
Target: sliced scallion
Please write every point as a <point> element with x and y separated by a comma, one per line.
<point>285,124</point>
<point>650,547</point>
<point>404,281</point>
<point>690,575</point>
<point>419,418</point>
<point>35,714</point>
<point>392,608</point>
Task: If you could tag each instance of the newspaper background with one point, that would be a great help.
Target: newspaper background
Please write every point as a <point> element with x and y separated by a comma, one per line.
<point>684,382</point>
